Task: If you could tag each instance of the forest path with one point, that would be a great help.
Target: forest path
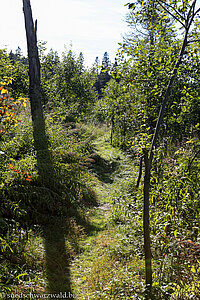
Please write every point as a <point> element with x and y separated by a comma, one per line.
<point>113,174</point>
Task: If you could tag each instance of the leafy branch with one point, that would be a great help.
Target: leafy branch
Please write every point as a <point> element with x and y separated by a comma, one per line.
<point>167,8</point>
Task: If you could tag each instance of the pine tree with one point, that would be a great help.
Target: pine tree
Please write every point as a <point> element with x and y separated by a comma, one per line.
<point>104,76</point>
<point>81,62</point>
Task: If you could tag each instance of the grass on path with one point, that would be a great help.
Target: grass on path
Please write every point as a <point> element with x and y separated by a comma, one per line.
<point>105,268</point>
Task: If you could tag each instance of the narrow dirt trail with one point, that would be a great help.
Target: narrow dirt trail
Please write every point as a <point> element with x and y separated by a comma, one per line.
<point>113,172</point>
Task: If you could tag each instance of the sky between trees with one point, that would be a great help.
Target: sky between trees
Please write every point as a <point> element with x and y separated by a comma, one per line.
<point>91,26</point>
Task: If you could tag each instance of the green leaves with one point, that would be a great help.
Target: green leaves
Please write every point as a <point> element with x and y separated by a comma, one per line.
<point>183,108</point>
<point>131,6</point>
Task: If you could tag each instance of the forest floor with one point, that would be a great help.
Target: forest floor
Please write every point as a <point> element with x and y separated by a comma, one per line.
<point>96,250</point>
<point>105,259</point>
<point>104,269</point>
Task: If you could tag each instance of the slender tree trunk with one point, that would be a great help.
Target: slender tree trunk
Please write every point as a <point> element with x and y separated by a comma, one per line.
<point>124,131</point>
<point>167,95</point>
<point>57,262</point>
<point>146,227</point>
<point>140,172</point>
<point>148,158</point>
<point>112,129</point>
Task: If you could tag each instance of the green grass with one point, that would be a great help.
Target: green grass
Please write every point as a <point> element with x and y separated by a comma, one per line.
<point>111,262</point>
<point>102,240</point>
<point>105,268</point>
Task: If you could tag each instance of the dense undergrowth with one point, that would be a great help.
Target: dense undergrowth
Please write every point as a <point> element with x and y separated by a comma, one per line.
<point>112,266</point>
<point>103,224</point>
<point>27,206</point>
<point>174,221</point>
<point>97,207</point>
<point>84,233</point>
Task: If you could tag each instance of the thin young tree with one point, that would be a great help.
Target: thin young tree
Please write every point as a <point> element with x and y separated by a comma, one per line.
<point>184,12</point>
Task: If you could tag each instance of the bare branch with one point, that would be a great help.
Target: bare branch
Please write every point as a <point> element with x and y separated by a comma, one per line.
<point>193,41</point>
<point>196,12</point>
<point>176,11</point>
<point>189,21</point>
<point>167,95</point>
<point>183,3</point>
<point>171,14</point>
<point>190,162</point>
<point>170,6</point>
<point>140,172</point>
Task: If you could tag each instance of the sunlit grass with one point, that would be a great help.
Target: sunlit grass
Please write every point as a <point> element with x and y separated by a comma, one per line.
<point>106,269</point>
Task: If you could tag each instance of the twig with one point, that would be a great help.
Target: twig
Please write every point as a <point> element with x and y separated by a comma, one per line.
<point>193,41</point>
<point>140,172</point>
<point>171,14</point>
<point>190,163</point>
<point>170,6</point>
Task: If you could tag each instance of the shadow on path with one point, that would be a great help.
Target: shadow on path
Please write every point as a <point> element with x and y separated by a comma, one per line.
<point>102,168</point>
<point>56,258</point>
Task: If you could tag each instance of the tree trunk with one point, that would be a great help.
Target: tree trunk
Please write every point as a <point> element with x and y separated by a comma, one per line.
<point>112,129</point>
<point>146,228</point>
<point>149,158</point>
<point>57,262</point>
<point>140,172</point>
<point>39,134</point>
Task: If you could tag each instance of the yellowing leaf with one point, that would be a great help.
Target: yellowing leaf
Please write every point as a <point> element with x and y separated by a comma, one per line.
<point>193,270</point>
<point>9,80</point>
<point>190,142</point>
<point>4,91</point>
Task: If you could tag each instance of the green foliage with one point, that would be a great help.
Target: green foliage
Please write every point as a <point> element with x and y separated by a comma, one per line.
<point>102,73</point>
<point>136,97</point>
<point>15,68</point>
<point>132,100</point>
<point>133,91</point>
<point>174,220</point>
<point>26,202</point>
<point>107,268</point>
<point>67,86</point>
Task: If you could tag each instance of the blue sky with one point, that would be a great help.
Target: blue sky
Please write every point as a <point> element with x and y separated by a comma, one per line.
<point>91,26</point>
